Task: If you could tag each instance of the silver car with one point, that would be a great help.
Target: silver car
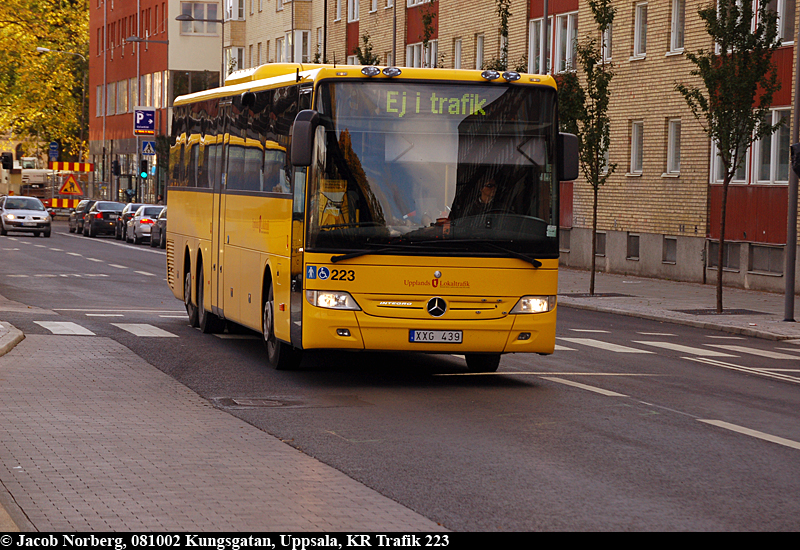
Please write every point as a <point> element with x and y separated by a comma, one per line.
<point>142,222</point>
<point>24,214</point>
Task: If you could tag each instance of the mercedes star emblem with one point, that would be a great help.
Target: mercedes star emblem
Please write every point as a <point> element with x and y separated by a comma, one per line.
<point>437,306</point>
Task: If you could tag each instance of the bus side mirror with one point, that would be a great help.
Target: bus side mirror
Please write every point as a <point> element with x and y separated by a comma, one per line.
<point>568,145</point>
<point>305,126</point>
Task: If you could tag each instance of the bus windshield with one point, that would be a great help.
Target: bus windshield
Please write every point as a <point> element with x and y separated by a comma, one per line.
<point>415,167</point>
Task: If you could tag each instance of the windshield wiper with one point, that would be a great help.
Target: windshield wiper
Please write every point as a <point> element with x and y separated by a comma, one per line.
<point>519,255</point>
<point>385,248</point>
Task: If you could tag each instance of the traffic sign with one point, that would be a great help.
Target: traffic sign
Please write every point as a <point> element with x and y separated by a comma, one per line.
<point>148,148</point>
<point>144,121</point>
<point>71,186</point>
<point>53,153</point>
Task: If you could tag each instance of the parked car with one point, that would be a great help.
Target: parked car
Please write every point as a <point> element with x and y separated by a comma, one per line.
<point>158,234</point>
<point>24,214</point>
<point>142,222</point>
<point>120,232</point>
<point>76,216</point>
<point>102,218</point>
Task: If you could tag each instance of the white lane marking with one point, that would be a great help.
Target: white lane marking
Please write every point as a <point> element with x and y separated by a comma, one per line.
<point>686,349</point>
<point>65,327</point>
<point>110,310</point>
<point>95,260</point>
<point>11,249</point>
<point>22,275</point>
<point>563,348</point>
<point>655,333</point>
<point>584,387</point>
<point>118,266</point>
<point>183,316</point>
<point>752,433</point>
<point>74,254</point>
<point>40,246</point>
<point>604,345</point>
<point>145,273</point>
<point>751,351</point>
<point>140,329</point>
<point>768,373</point>
<point>726,337</point>
<point>57,249</point>
<point>589,330</point>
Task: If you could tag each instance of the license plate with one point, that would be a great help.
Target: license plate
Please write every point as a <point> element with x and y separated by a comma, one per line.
<point>434,336</point>
<point>29,224</point>
<point>112,216</point>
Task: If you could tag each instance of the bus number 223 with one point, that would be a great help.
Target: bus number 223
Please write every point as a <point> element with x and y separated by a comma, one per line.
<point>343,275</point>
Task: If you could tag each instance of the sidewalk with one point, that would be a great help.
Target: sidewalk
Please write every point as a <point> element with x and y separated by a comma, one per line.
<point>94,438</point>
<point>746,312</point>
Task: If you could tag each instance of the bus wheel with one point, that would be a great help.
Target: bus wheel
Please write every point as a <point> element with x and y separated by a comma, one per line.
<point>191,309</point>
<point>483,362</point>
<point>208,322</point>
<point>280,355</point>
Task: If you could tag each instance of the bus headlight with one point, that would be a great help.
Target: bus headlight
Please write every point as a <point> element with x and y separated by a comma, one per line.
<point>331,299</point>
<point>534,304</point>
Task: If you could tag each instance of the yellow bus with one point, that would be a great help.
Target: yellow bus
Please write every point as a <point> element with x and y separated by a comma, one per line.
<point>369,208</point>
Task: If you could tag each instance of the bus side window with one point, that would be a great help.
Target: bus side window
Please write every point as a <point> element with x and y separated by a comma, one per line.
<point>299,192</point>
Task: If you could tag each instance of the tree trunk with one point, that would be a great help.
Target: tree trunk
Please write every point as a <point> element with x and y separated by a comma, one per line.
<point>721,255</point>
<point>594,241</point>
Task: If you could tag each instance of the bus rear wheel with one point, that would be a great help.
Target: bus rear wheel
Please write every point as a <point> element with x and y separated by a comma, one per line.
<point>191,309</point>
<point>482,362</point>
<point>279,354</point>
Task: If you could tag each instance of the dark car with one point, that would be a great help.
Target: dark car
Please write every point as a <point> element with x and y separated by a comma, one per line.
<point>102,218</point>
<point>24,214</point>
<point>158,234</point>
<point>76,216</point>
<point>121,230</point>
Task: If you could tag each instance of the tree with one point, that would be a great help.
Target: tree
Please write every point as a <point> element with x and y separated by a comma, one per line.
<point>740,79</point>
<point>501,63</point>
<point>43,95</point>
<point>583,110</point>
<point>365,55</point>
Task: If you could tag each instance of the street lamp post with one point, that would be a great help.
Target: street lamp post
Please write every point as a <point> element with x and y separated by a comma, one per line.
<point>83,94</point>
<point>186,18</point>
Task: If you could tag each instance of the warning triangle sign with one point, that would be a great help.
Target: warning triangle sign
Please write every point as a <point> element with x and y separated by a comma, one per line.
<point>71,186</point>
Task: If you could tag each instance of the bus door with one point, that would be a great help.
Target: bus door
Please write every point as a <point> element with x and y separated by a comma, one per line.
<point>218,213</point>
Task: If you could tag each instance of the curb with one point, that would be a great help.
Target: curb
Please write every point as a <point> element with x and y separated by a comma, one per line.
<point>10,336</point>
<point>742,331</point>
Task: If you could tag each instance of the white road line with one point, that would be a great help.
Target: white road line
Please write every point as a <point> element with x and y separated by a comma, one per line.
<point>655,333</point>
<point>118,266</point>
<point>589,330</point>
<point>726,337</point>
<point>182,316</point>
<point>57,249</point>
<point>74,254</point>
<point>104,315</point>
<point>686,349</point>
<point>145,273</point>
<point>139,329</point>
<point>752,351</point>
<point>563,348</point>
<point>95,260</point>
<point>584,387</point>
<point>767,373</point>
<point>65,327</point>
<point>11,249</point>
<point>604,345</point>
<point>752,433</point>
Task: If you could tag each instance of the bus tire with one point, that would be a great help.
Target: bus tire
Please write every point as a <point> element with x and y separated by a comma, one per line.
<point>482,362</point>
<point>191,309</point>
<point>279,354</point>
<point>208,322</point>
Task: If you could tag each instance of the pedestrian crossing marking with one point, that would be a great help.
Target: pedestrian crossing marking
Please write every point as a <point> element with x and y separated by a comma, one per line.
<point>65,328</point>
<point>686,349</point>
<point>616,348</point>
<point>140,329</point>
<point>753,351</point>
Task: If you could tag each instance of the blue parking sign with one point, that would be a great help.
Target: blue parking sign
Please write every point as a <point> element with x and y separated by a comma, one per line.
<point>144,121</point>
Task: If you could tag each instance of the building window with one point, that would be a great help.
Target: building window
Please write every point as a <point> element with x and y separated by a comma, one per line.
<point>678,25</point>
<point>730,256</point>
<point>566,41</point>
<point>416,57</point>
<point>373,6</point>
<point>766,259</point>
<point>600,244</point>
<point>111,95</point>
<point>674,146</point>
<point>98,107</point>
<point>741,170</point>
<point>607,43</point>
<point>199,10</point>
<point>640,30</point>
<point>669,250</point>
<point>234,10</point>
<point>259,54</point>
<point>637,147</point>
<point>773,151</point>
<point>786,14</point>
<point>633,247</point>
<point>122,96</point>
<point>352,11</point>
<point>338,10</point>
<point>535,46</point>
<point>457,53</point>
<point>412,3</point>
<point>279,50</point>
<point>479,39</point>
<point>302,47</point>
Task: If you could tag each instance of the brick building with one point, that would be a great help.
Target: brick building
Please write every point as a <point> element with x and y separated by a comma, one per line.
<point>658,214</point>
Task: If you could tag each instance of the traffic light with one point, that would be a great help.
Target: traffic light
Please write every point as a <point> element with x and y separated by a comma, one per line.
<point>8,161</point>
<point>144,168</point>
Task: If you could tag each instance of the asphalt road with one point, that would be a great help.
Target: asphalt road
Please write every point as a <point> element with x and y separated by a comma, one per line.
<point>630,425</point>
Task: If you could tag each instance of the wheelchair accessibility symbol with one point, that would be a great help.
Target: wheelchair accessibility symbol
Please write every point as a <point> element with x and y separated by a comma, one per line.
<point>323,273</point>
